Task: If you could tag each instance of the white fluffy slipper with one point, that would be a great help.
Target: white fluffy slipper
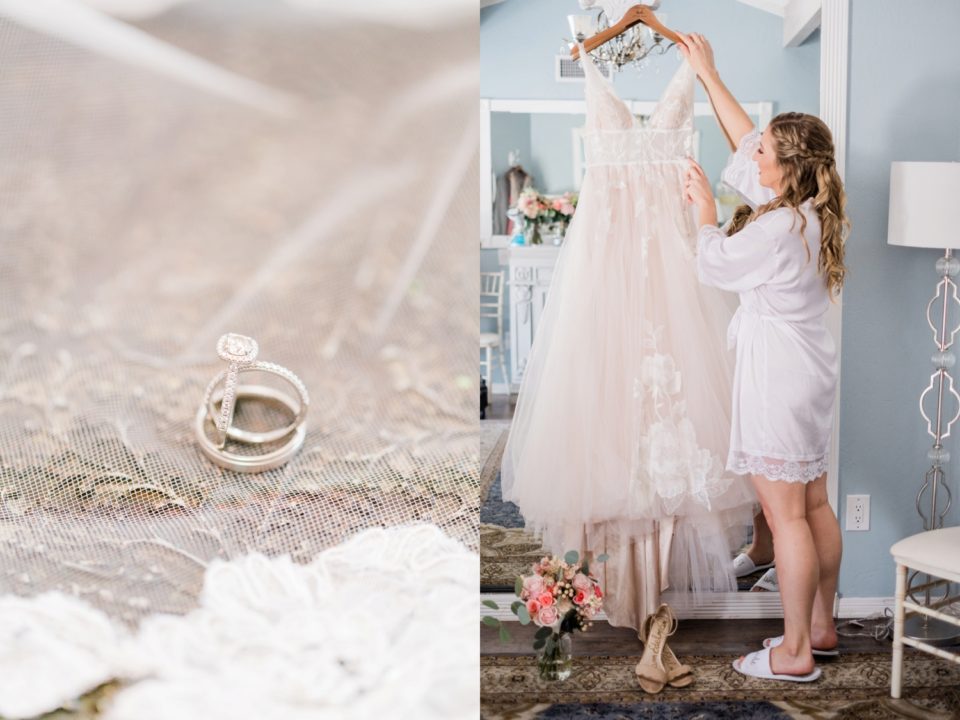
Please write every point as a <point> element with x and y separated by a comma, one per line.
<point>757,664</point>
<point>743,565</point>
<point>774,641</point>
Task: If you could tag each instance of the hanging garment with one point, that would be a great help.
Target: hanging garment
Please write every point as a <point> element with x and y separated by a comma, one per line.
<point>621,428</point>
<point>509,186</point>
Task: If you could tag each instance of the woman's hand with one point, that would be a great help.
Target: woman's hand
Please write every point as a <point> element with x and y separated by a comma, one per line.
<point>698,53</point>
<point>697,191</point>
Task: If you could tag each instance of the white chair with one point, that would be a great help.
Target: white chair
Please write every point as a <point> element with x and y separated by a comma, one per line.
<point>936,553</point>
<point>491,306</point>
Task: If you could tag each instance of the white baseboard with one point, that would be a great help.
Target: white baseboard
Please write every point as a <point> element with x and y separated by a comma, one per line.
<point>723,606</point>
<point>863,607</point>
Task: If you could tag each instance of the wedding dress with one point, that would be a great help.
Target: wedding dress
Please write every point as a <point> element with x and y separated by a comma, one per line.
<point>622,423</point>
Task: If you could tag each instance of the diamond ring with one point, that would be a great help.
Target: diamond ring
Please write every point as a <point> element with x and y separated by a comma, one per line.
<point>219,403</point>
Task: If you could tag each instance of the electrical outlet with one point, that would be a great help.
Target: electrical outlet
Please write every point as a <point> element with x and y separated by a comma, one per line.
<point>858,512</point>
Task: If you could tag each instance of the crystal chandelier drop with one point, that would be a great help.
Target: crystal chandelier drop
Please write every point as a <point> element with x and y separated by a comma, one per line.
<point>633,46</point>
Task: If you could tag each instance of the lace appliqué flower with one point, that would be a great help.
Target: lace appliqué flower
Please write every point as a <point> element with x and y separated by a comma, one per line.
<point>669,457</point>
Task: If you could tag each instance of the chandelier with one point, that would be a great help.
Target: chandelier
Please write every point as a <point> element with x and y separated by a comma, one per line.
<point>634,45</point>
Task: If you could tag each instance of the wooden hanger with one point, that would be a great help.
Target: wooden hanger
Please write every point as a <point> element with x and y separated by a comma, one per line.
<point>635,15</point>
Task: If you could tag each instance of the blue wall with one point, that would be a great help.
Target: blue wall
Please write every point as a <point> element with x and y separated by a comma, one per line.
<point>913,114</point>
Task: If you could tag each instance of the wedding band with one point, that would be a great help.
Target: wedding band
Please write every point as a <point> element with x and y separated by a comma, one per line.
<point>251,463</point>
<point>212,397</point>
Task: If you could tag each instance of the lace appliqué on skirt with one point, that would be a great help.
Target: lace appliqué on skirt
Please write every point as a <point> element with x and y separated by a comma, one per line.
<point>777,468</point>
<point>672,461</point>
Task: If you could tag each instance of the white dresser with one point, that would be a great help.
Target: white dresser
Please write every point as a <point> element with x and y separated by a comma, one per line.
<point>530,269</point>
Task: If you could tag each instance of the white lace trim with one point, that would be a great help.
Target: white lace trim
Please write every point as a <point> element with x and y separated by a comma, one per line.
<point>803,471</point>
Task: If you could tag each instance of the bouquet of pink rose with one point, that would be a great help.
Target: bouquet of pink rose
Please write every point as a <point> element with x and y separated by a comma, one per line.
<point>561,596</point>
<point>542,210</point>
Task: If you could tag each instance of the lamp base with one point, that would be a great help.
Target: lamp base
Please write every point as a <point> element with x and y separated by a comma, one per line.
<point>931,631</point>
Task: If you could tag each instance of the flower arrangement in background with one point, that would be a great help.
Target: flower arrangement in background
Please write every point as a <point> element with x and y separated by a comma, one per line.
<point>560,597</point>
<point>545,215</point>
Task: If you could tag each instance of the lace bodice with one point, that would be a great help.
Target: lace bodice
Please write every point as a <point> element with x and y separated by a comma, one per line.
<point>613,136</point>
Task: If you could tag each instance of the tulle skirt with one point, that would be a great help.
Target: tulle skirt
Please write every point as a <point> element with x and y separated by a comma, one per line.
<point>622,424</point>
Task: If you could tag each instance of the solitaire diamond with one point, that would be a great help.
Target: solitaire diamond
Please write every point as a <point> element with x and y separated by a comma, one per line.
<point>236,348</point>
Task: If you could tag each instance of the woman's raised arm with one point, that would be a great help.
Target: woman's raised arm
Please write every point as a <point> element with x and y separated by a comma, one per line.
<point>733,120</point>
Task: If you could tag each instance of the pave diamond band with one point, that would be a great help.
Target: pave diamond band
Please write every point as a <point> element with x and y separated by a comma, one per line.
<point>219,403</point>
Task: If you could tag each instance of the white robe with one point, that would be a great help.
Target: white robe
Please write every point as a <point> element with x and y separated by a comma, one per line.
<point>786,362</point>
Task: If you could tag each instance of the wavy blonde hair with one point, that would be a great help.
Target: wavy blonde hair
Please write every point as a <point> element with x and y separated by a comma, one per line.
<point>804,150</point>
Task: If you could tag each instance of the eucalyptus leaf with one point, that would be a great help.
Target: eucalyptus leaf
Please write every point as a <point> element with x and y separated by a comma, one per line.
<point>537,644</point>
<point>571,557</point>
<point>523,614</point>
<point>518,586</point>
<point>491,604</point>
<point>543,633</point>
<point>504,635</point>
<point>490,621</point>
<point>603,557</point>
<point>514,605</point>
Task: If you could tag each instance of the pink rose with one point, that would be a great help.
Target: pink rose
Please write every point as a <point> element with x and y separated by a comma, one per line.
<point>596,591</point>
<point>566,209</point>
<point>582,582</point>
<point>533,584</point>
<point>548,615</point>
<point>533,607</point>
<point>546,599</point>
<point>580,597</point>
<point>557,204</point>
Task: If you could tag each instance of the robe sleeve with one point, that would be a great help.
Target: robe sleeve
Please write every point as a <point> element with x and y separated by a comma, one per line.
<point>743,261</point>
<point>743,175</point>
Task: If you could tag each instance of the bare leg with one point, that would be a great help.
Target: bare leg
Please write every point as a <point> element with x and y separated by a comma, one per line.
<point>761,549</point>
<point>798,571</point>
<point>827,539</point>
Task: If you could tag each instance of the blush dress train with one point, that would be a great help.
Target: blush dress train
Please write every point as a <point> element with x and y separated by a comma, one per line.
<point>620,434</point>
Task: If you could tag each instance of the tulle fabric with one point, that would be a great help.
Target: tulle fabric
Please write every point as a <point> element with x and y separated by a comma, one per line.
<point>622,422</point>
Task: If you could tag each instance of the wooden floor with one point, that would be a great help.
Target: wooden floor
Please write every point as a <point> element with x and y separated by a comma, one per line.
<point>693,637</point>
<point>501,407</point>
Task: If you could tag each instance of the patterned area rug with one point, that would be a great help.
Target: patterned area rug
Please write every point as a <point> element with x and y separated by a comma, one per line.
<point>855,687</point>
<point>506,549</point>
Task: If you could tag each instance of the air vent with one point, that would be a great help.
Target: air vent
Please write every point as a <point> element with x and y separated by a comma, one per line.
<point>569,70</point>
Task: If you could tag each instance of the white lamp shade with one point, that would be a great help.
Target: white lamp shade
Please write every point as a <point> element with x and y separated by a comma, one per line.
<point>924,197</point>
